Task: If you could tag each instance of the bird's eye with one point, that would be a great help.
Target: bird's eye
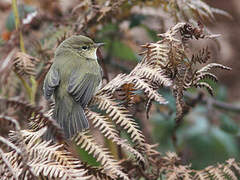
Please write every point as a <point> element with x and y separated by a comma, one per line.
<point>84,47</point>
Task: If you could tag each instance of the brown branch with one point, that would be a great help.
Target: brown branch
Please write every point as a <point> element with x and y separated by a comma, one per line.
<point>216,103</point>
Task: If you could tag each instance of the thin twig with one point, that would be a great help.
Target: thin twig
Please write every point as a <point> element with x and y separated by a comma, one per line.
<point>216,103</point>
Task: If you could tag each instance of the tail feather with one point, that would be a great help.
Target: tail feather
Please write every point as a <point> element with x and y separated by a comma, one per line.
<point>71,120</point>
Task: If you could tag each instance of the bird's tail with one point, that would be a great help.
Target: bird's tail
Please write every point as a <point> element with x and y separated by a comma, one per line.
<point>71,119</point>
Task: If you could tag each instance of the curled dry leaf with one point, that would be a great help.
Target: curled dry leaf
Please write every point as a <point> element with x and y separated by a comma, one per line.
<point>24,64</point>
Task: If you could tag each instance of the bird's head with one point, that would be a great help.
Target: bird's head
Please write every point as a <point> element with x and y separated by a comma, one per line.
<point>81,45</point>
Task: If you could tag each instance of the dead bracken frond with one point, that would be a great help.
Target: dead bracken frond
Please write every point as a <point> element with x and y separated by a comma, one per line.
<point>6,121</point>
<point>175,62</point>
<point>25,64</point>
<point>97,172</point>
<point>120,116</point>
<point>42,151</point>
<point>32,157</point>
<point>101,154</point>
<point>37,119</point>
<point>110,132</point>
<point>227,170</point>
<point>188,10</point>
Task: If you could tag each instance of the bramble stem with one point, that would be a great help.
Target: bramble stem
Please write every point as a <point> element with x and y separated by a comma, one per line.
<point>31,91</point>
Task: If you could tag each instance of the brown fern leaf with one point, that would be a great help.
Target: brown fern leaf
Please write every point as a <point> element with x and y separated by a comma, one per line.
<point>54,130</point>
<point>37,119</point>
<point>187,10</point>
<point>25,64</point>
<point>103,124</point>
<point>204,85</point>
<point>210,66</point>
<point>236,166</point>
<point>180,105</point>
<point>120,115</point>
<point>215,172</point>
<point>48,159</point>
<point>26,108</point>
<point>178,89</point>
<point>201,57</point>
<point>150,92</point>
<point>201,175</point>
<point>232,168</point>
<point>6,169</point>
<point>51,170</point>
<point>6,121</point>
<point>227,170</point>
<point>156,52</point>
<point>179,172</point>
<point>97,172</point>
<point>221,12</point>
<point>148,107</point>
<point>109,131</point>
<point>219,172</point>
<point>115,84</point>
<point>19,148</point>
<point>101,154</point>
<point>127,95</point>
<point>151,73</point>
<point>206,75</point>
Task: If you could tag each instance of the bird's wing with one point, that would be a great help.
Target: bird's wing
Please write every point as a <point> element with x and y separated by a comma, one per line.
<point>51,81</point>
<point>82,87</point>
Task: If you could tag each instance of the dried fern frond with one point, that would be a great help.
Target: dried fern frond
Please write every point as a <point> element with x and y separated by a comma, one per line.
<point>232,169</point>
<point>127,94</point>
<point>109,131</point>
<point>156,52</point>
<point>187,10</point>
<point>212,65</point>
<point>97,172</point>
<point>25,64</point>
<point>206,75</point>
<point>172,167</point>
<point>37,119</point>
<point>110,165</point>
<point>7,121</point>
<point>205,85</point>
<point>170,55</point>
<point>150,92</point>
<point>45,158</point>
<point>120,115</point>
<point>17,146</point>
<point>201,57</point>
<point>6,168</point>
<point>51,169</point>
<point>201,175</point>
<point>151,73</point>
<point>114,84</point>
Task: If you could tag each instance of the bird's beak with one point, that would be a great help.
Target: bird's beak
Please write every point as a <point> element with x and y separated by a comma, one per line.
<point>99,44</point>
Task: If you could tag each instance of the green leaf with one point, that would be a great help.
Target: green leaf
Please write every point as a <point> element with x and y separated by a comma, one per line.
<point>221,93</point>
<point>23,11</point>
<point>163,127</point>
<point>210,147</point>
<point>85,157</point>
<point>123,51</point>
<point>226,141</point>
<point>136,20</point>
<point>228,125</point>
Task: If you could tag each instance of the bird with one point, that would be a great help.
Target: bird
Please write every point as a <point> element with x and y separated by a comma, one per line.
<point>72,80</point>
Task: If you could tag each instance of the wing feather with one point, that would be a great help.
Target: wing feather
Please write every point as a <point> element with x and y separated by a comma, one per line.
<point>82,89</point>
<point>51,81</point>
